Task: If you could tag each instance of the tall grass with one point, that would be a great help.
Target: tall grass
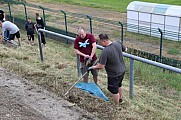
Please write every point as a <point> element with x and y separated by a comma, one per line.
<point>157,93</point>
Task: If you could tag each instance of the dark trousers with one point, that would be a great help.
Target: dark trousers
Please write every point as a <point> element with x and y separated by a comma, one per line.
<point>31,36</point>
<point>43,38</point>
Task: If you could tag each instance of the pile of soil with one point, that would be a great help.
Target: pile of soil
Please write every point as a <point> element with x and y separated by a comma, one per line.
<point>22,100</point>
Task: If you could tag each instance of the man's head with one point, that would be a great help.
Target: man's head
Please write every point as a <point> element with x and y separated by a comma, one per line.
<point>81,32</point>
<point>103,39</point>
<point>37,15</point>
<point>29,20</point>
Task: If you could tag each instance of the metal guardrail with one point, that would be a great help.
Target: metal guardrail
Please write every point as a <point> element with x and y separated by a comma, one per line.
<point>131,57</point>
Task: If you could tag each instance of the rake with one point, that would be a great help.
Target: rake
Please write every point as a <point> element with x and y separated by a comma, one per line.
<point>79,79</point>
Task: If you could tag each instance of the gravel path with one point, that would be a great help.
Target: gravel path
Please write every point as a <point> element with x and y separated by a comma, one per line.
<point>22,100</point>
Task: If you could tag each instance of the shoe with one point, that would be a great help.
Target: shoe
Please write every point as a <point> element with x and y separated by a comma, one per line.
<point>121,101</point>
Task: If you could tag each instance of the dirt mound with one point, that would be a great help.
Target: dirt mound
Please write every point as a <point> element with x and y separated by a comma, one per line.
<point>20,99</point>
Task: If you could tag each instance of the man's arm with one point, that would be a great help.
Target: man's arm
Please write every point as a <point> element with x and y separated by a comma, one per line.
<point>80,53</point>
<point>35,25</point>
<point>94,47</point>
<point>97,67</point>
<point>2,37</point>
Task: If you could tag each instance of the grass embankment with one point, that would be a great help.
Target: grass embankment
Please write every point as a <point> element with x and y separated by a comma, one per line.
<point>115,5</point>
<point>157,93</point>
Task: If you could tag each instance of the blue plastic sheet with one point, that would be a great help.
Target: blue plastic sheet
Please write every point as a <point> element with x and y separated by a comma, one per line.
<point>92,88</point>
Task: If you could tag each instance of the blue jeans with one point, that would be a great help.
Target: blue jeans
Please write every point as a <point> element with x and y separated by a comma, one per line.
<point>6,35</point>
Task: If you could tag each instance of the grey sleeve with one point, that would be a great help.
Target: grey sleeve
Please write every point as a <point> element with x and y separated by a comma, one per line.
<point>103,58</point>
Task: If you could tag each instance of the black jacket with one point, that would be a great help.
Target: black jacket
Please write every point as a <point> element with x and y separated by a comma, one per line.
<point>40,23</point>
<point>30,28</point>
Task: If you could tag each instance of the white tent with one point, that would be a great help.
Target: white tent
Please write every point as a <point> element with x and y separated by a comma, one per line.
<point>146,18</point>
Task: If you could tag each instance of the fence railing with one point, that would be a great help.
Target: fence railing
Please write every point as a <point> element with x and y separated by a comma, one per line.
<point>131,57</point>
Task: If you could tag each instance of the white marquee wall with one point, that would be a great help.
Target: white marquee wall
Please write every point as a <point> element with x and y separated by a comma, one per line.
<point>146,18</point>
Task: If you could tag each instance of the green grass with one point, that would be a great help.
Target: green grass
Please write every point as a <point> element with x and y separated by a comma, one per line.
<point>157,93</point>
<point>115,5</point>
<point>173,51</point>
<point>153,76</point>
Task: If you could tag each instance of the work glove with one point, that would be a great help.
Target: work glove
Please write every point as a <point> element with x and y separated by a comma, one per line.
<point>88,62</point>
<point>90,68</point>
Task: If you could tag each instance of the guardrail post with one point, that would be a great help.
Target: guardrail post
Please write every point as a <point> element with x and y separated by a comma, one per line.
<point>122,32</point>
<point>65,19</point>
<point>90,19</point>
<point>161,39</point>
<point>78,66</point>
<point>131,87</point>
<point>40,47</point>
<point>9,6</point>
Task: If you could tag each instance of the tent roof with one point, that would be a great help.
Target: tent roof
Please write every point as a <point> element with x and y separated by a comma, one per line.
<point>163,9</point>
